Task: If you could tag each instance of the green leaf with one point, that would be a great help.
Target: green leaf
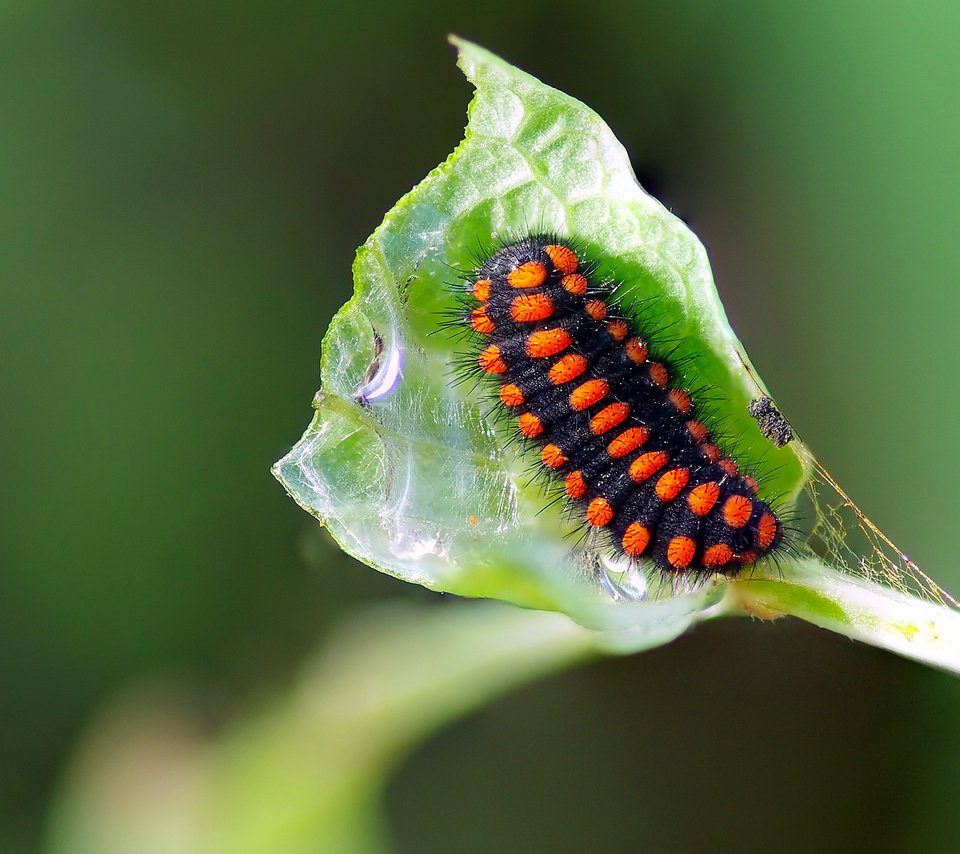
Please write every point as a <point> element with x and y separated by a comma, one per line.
<point>418,482</point>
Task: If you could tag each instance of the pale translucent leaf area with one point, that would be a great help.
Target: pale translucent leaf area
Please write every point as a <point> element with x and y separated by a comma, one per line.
<point>405,467</point>
<point>306,774</point>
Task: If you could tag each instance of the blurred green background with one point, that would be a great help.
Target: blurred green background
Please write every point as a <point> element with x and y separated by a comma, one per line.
<point>184,185</point>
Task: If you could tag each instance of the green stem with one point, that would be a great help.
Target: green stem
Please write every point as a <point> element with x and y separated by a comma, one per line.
<point>865,611</point>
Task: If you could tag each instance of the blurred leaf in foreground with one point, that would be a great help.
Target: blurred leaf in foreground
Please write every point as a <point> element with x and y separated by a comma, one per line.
<point>409,476</point>
<point>306,774</point>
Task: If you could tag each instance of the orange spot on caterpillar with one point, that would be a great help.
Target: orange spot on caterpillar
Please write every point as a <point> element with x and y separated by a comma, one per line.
<point>766,531</point>
<point>636,350</point>
<point>617,329</point>
<point>737,510</point>
<point>588,393</point>
<point>574,484</point>
<point>596,308</point>
<point>599,512</point>
<point>530,425</point>
<point>747,557</point>
<point>751,483</point>
<point>490,360</point>
<point>680,551</point>
<point>609,417</point>
<point>511,395</point>
<point>629,440</point>
<point>718,555</point>
<point>648,464</point>
<point>529,275</point>
<point>547,342</point>
<point>635,539</point>
<point>710,451</point>
<point>697,430</point>
<point>729,466</point>
<point>563,258</point>
<point>575,284</point>
<point>702,498</point>
<point>658,374</point>
<point>480,322</point>
<point>567,368</point>
<point>671,482</point>
<point>528,308</point>
<point>552,456</point>
<point>679,399</point>
<point>481,290</point>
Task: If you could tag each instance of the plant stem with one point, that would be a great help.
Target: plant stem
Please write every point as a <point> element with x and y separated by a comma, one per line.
<point>859,609</point>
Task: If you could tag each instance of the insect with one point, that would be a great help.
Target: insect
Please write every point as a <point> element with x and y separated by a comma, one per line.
<point>623,442</point>
<point>771,422</point>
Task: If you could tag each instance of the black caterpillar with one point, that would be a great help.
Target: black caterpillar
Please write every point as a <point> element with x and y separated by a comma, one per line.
<point>631,457</point>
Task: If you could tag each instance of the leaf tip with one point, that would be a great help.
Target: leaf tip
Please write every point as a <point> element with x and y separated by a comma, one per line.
<point>470,55</point>
<point>461,44</point>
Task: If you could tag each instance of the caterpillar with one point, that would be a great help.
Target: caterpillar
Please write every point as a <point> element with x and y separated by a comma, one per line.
<point>612,431</point>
